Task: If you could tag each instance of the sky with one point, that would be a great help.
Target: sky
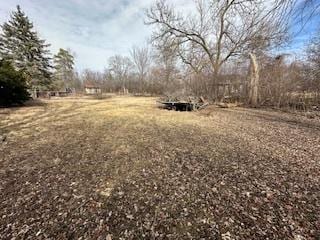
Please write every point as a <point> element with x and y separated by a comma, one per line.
<point>93,29</point>
<point>97,29</point>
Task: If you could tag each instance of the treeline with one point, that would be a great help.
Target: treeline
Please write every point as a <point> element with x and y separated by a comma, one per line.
<point>27,65</point>
<point>29,55</point>
<point>231,50</point>
<point>224,51</point>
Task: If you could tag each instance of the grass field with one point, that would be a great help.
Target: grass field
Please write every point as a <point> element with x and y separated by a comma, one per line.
<point>121,168</point>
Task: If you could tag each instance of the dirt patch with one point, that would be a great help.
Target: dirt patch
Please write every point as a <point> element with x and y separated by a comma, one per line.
<point>121,168</point>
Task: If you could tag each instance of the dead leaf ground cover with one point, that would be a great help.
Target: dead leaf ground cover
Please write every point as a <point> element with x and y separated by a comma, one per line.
<point>121,168</point>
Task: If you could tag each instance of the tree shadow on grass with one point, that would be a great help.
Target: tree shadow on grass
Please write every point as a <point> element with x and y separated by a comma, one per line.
<point>29,103</point>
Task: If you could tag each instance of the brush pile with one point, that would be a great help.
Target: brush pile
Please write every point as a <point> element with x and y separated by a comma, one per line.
<point>183,104</point>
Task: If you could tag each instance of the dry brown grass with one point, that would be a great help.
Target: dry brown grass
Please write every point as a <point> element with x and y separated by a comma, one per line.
<point>124,168</point>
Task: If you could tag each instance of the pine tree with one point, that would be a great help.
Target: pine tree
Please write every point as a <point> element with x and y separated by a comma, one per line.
<point>13,87</point>
<point>20,44</point>
<point>64,69</point>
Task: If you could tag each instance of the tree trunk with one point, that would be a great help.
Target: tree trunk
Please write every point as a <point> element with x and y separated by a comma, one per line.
<point>215,82</point>
<point>254,81</point>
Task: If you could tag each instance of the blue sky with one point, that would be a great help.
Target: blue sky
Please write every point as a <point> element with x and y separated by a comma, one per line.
<point>303,28</point>
<point>97,29</point>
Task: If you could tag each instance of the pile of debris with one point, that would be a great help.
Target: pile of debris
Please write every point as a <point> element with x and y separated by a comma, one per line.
<point>183,104</point>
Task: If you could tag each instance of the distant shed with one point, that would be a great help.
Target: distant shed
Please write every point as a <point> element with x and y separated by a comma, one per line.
<point>91,89</point>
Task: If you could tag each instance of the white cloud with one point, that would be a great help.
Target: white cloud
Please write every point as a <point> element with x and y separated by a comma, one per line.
<point>94,30</point>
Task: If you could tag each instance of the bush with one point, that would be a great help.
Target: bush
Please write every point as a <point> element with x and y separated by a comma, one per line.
<point>13,87</point>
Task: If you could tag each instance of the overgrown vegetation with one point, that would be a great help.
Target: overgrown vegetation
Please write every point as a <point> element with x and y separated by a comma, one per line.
<point>208,52</point>
<point>13,86</point>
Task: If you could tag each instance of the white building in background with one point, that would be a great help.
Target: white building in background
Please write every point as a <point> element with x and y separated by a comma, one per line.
<point>90,89</point>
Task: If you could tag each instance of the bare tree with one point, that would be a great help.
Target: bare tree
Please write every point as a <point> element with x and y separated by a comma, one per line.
<point>120,68</point>
<point>313,54</point>
<point>254,80</point>
<point>302,12</point>
<point>219,31</point>
<point>166,59</point>
<point>92,77</point>
<point>141,60</point>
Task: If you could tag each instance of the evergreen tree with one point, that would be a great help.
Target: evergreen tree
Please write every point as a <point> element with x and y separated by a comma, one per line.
<point>64,69</point>
<point>13,87</point>
<point>20,44</point>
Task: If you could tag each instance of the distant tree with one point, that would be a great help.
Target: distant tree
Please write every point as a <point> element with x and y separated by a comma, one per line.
<point>20,44</point>
<point>167,60</point>
<point>120,68</point>
<point>64,69</point>
<point>92,77</point>
<point>13,87</point>
<point>313,53</point>
<point>77,81</point>
<point>313,50</point>
<point>141,60</point>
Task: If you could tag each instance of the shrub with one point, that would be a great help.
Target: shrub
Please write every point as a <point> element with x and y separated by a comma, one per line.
<point>13,87</point>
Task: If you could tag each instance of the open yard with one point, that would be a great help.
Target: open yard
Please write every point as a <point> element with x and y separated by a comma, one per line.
<point>121,168</point>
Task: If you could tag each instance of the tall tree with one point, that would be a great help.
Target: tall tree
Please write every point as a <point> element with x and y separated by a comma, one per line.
<point>120,68</point>
<point>219,30</point>
<point>20,44</point>
<point>64,69</point>
<point>166,60</point>
<point>141,60</point>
